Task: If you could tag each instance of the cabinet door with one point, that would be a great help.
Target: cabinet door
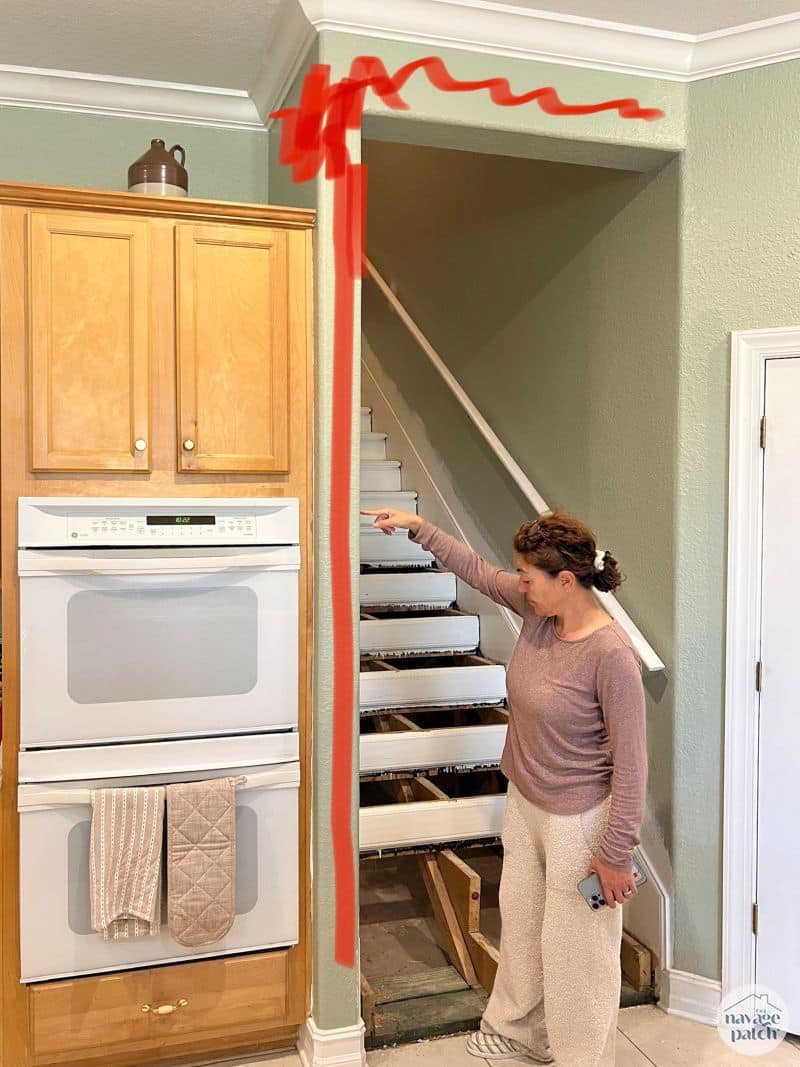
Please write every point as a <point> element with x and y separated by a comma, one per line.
<point>233,348</point>
<point>89,343</point>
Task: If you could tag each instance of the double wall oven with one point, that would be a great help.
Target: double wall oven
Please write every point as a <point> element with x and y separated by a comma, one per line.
<point>159,643</point>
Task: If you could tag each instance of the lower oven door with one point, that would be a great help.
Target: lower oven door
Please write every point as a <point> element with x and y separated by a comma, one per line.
<point>55,820</point>
<point>133,644</point>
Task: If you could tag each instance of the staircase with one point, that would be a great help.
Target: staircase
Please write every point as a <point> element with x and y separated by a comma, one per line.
<point>431,704</point>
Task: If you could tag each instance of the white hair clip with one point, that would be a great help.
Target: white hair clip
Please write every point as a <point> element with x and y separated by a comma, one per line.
<point>600,560</point>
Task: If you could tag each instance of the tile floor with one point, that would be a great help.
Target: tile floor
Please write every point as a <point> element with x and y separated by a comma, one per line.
<point>648,1037</point>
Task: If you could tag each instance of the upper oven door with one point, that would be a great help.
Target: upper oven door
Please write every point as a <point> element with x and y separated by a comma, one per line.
<point>131,644</point>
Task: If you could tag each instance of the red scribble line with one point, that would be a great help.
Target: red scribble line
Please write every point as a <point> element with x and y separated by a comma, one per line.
<point>313,134</point>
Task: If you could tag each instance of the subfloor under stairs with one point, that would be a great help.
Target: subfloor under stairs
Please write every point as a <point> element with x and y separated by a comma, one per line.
<point>433,723</point>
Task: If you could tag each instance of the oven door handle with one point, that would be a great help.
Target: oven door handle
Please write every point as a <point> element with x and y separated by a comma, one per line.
<point>40,797</point>
<point>41,562</point>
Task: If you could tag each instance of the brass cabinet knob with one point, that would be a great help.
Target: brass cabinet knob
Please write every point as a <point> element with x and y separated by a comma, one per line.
<point>188,445</point>
<point>140,444</point>
<point>164,1009</point>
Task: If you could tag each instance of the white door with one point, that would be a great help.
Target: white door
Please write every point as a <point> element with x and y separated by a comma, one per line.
<point>778,855</point>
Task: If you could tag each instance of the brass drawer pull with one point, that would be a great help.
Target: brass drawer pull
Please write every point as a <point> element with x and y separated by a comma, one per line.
<point>165,1009</point>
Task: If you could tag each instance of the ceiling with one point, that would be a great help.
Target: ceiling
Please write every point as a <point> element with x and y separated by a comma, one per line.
<point>227,64</point>
<point>674,16</point>
<point>193,42</point>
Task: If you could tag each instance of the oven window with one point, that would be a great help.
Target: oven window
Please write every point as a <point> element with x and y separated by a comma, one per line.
<point>160,644</point>
<point>78,857</point>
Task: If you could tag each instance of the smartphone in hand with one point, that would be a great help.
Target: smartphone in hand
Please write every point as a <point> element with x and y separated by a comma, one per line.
<point>592,891</point>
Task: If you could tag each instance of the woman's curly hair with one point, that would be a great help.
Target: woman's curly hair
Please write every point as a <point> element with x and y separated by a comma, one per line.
<point>557,541</point>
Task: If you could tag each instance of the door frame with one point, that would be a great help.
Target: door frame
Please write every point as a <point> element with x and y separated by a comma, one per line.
<point>750,349</point>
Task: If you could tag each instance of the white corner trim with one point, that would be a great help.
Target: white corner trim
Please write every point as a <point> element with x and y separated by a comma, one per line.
<point>749,351</point>
<point>291,36</point>
<point>690,995</point>
<point>502,29</point>
<point>63,90</point>
<point>343,1047</point>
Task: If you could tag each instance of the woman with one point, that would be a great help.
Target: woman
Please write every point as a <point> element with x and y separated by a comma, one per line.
<point>576,761</point>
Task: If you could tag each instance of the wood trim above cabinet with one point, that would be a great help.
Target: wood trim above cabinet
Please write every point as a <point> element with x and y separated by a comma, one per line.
<point>176,207</point>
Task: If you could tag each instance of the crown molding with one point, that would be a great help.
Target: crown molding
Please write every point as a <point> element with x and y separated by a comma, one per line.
<point>501,29</point>
<point>471,25</point>
<point>62,90</point>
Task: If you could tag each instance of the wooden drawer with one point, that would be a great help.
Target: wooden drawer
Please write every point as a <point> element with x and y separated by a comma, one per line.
<point>242,994</point>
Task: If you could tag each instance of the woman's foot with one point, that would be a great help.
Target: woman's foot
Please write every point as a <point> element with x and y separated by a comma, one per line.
<point>489,1046</point>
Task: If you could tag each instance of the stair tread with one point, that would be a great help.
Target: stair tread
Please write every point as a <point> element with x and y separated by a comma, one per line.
<point>395,987</point>
<point>389,615</point>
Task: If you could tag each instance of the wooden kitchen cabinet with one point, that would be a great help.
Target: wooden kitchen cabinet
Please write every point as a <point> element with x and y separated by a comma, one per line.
<point>233,348</point>
<point>148,1013</point>
<point>127,318</point>
<point>89,363</point>
<point>120,319</point>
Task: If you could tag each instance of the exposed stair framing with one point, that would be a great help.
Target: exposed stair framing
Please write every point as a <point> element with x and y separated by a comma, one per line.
<point>434,721</point>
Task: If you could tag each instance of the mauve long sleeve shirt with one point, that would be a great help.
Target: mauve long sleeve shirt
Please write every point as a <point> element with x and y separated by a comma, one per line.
<point>577,725</point>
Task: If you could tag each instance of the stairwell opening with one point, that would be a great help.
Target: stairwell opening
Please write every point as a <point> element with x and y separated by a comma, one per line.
<point>540,284</point>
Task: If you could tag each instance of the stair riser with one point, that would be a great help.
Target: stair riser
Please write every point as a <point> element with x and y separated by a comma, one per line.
<point>386,637</point>
<point>401,501</point>
<point>373,447</point>
<point>425,823</point>
<point>428,687</point>
<point>426,589</point>
<point>375,479</point>
<point>396,551</point>
<point>409,750</point>
<point>366,420</point>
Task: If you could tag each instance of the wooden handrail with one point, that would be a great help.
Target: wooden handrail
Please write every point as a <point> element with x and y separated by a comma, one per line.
<point>648,655</point>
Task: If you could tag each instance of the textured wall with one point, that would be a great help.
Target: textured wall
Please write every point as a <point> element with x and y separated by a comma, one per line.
<point>475,111</point>
<point>740,270</point>
<point>95,151</point>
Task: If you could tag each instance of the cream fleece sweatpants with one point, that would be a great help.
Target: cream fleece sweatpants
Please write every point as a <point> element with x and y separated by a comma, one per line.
<point>559,979</point>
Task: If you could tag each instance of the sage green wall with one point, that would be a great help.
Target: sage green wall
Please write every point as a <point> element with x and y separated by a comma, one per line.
<point>335,989</point>
<point>722,212</point>
<point>282,189</point>
<point>94,152</point>
<point>551,292</point>
<point>472,120</point>
<point>740,270</point>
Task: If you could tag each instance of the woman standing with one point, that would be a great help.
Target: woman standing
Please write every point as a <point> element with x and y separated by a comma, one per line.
<point>576,761</point>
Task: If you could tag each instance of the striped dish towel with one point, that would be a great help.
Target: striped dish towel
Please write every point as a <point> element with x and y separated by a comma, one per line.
<point>125,870</point>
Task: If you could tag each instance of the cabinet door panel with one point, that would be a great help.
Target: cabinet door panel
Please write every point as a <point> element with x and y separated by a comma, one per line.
<point>89,343</point>
<point>233,349</point>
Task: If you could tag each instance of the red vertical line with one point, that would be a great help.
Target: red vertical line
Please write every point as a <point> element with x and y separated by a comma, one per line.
<point>356,208</point>
<point>341,586</point>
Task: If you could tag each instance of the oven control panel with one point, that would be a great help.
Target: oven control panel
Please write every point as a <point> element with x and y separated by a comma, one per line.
<point>161,529</point>
<point>157,522</point>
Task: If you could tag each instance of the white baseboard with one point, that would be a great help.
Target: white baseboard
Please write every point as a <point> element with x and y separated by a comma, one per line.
<point>691,996</point>
<point>343,1047</point>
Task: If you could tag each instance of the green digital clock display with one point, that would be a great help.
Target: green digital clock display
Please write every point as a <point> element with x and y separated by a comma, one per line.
<point>181,520</point>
